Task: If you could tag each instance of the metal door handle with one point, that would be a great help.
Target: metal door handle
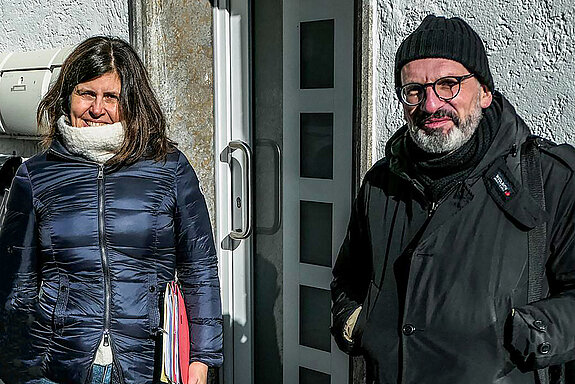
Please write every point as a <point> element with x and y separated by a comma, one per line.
<point>278,206</point>
<point>247,209</point>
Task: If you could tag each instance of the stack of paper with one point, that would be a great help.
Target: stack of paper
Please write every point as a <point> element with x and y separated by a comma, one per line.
<point>176,338</point>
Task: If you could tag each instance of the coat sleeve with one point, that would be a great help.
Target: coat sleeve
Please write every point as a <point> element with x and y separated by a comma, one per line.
<point>351,276</point>
<point>18,275</point>
<point>197,267</point>
<point>542,333</point>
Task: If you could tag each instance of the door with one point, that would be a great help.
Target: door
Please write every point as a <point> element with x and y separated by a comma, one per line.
<point>289,90</point>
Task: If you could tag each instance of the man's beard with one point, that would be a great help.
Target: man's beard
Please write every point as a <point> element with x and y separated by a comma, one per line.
<point>434,140</point>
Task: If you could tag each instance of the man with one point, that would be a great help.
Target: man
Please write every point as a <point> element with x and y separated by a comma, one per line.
<point>432,283</point>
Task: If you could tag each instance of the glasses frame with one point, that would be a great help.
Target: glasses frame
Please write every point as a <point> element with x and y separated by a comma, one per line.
<point>399,90</point>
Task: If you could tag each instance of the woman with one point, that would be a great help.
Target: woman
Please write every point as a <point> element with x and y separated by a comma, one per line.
<point>95,228</point>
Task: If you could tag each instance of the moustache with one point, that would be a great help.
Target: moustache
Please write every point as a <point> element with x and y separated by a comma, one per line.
<point>422,117</point>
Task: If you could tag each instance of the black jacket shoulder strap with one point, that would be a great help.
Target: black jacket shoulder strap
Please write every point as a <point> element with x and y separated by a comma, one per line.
<point>531,174</point>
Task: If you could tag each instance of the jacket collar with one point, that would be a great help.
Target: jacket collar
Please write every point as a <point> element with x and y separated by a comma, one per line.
<point>59,150</point>
<point>511,135</point>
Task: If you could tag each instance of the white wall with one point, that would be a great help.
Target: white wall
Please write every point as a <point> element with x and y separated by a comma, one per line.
<point>29,25</point>
<point>531,49</point>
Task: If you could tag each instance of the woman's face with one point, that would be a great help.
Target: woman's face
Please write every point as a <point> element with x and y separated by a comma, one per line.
<point>96,102</point>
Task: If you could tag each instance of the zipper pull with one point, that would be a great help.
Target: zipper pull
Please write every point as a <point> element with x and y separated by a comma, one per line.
<point>100,172</point>
<point>106,339</point>
<point>432,209</point>
<point>514,150</point>
<point>418,186</point>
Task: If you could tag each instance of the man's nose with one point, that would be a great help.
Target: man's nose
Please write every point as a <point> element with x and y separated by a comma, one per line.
<point>431,102</point>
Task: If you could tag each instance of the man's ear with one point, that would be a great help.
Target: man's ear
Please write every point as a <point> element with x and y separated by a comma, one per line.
<point>486,96</point>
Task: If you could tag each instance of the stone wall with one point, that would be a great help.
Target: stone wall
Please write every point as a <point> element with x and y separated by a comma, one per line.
<point>174,38</point>
<point>531,49</point>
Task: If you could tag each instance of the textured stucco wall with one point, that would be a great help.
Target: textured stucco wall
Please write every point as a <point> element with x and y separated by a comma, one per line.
<point>29,25</point>
<point>174,38</point>
<point>531,49</point>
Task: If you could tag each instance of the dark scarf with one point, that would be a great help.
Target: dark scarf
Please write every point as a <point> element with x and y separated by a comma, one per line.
<point>439,172</point>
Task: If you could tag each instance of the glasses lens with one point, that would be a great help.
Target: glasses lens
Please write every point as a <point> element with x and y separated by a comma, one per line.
<point>412,94</point>
<point>447,87</point>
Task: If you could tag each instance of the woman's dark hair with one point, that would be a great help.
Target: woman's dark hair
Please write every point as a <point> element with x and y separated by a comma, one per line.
<point>144,122</point>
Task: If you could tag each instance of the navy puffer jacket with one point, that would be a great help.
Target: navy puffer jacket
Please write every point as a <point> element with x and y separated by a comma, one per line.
<point>86,252</point>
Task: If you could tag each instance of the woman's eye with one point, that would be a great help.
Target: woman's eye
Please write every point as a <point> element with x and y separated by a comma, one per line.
<point>86,95</point>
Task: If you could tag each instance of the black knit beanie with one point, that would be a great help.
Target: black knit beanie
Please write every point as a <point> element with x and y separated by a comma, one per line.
<point>449,39</point>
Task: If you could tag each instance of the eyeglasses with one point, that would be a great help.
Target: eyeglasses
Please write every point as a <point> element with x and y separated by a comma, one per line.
<point>446,88</point>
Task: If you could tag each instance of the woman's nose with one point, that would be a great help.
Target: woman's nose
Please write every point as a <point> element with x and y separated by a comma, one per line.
<point>97,107</point>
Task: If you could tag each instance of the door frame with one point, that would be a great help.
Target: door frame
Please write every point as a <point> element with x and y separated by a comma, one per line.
<point>233,121</point>
<point>232,116</point>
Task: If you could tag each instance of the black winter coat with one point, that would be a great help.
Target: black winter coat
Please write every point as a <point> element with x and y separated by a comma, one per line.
<point>438,310</point>
<point>87,249</point>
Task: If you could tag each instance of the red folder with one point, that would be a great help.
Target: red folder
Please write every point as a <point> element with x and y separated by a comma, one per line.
<point>184,337</point>
<point>176,339</point>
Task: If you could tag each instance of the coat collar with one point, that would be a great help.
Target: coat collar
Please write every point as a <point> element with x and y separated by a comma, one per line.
<point>511,134</point>
<point>501,183</point>
<point>58,149</point>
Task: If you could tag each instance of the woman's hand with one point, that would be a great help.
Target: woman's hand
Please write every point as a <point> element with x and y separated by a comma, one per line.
<point>198,373</point>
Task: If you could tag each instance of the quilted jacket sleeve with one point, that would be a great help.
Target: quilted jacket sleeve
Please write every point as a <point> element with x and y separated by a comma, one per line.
<point>18,274</point>
<point>197,267</point>
<point>542,333</point>
<point>351,276</point>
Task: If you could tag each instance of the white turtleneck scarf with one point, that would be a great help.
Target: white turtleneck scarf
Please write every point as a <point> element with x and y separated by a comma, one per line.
<point>97,144</point>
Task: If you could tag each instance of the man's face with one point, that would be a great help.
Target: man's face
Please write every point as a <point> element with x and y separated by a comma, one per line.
<point>439,126</point>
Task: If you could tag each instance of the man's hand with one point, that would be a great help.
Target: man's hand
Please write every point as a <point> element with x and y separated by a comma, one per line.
<point>350,324</point>
<point>198,373</point>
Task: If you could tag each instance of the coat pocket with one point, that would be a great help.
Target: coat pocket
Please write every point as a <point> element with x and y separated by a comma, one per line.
<point>363,320</point>
<point>61,303</point>
<point>372,295</point>
<point>501,309</point>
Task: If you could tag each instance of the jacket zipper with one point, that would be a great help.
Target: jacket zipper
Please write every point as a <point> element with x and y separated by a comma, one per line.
<point>107,337</point>
<point>105,265</point>
<point>103,254</point>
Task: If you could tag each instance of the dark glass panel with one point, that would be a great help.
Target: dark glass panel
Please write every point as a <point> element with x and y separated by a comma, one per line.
<point>316,145</point>
<point>316,54</point>
<point>315,233</point>
<point>315,318</point>
<point>309,376</point>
